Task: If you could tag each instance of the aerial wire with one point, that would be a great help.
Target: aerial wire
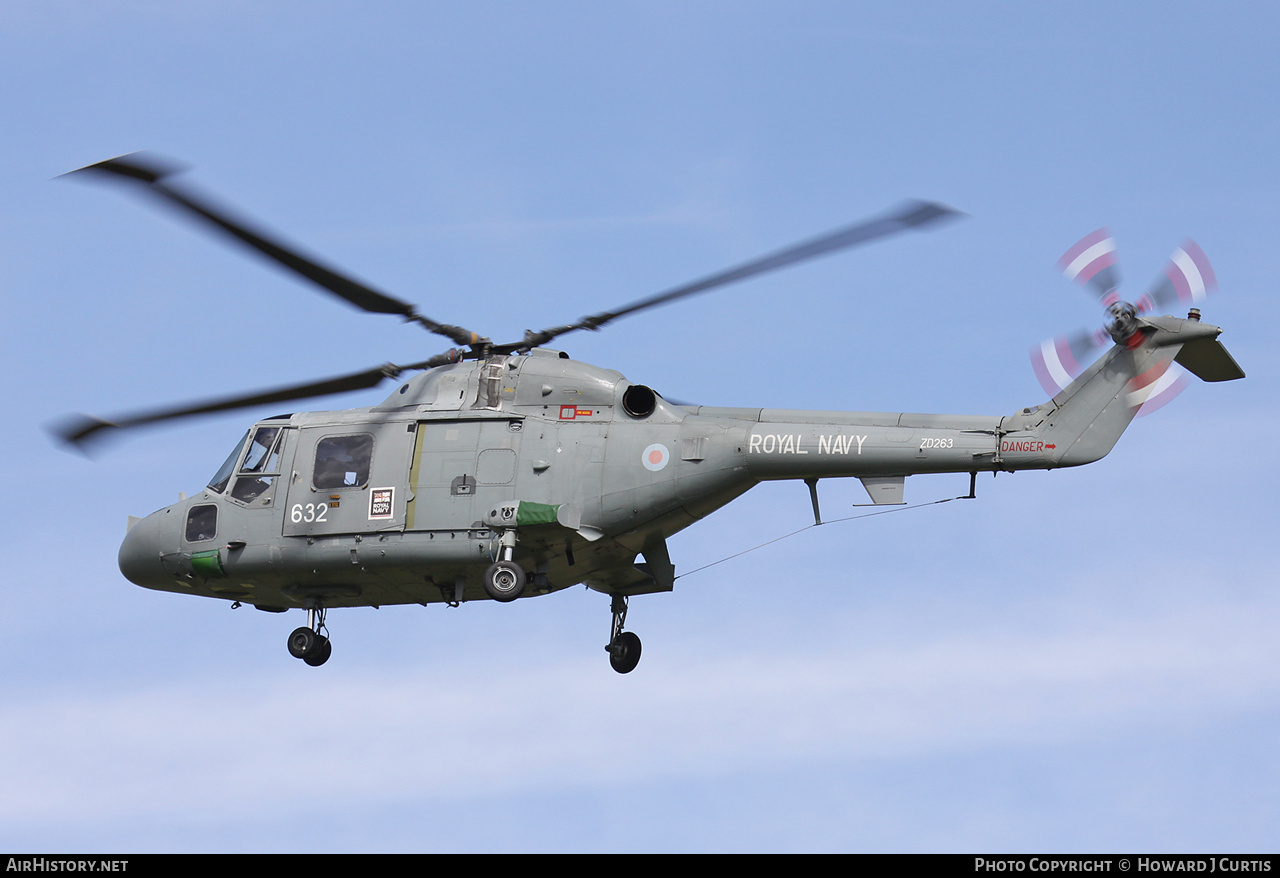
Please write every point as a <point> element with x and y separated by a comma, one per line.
<point>817,524</point>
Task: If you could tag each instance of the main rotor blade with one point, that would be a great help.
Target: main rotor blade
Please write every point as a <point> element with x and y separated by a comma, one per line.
<point>82,429</point>
<point>910,215</point>
<point>153,176</point>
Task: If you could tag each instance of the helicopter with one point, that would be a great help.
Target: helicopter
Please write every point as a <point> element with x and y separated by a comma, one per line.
<point>509,470</point>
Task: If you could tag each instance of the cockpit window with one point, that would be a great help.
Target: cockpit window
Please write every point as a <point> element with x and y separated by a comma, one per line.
<point>343,461</point>
<point>202,523</point>
<point>260,451</point>
<point>219,481</point>
<point>260,467</point>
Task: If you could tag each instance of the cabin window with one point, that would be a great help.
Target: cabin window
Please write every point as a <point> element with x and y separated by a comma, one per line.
<point>343,461</point>
<point>202,523</point>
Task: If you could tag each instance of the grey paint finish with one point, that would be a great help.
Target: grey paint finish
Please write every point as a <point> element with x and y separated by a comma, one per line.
<point>456,445</point>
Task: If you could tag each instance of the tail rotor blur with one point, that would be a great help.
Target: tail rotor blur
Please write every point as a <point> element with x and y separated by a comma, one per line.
<point>1091,262</point>
<point>1188,280</point>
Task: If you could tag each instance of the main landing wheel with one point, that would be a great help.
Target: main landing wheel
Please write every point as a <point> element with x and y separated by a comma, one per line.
<point>504,581</point>
<point>624,652</point>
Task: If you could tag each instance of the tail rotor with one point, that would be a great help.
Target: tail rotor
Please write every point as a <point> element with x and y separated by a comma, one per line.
<point>1091,262</point>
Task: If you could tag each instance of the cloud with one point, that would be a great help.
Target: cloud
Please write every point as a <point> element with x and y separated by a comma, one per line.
<point>486,731</point>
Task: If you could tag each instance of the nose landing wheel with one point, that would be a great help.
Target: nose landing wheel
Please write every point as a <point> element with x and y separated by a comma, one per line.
<point>311,643</point>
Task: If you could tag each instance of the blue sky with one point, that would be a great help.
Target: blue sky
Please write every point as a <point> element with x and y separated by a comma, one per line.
<point>1078,660</point>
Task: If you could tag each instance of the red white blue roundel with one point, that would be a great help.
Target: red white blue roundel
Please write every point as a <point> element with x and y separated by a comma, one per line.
<point>655,457</point>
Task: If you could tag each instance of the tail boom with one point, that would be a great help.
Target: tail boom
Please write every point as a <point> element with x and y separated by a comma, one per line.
<point>1079,425</point>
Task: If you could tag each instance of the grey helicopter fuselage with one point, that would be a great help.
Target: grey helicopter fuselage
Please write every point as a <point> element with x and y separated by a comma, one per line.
<point>583,472</point>
<point>505,469</point>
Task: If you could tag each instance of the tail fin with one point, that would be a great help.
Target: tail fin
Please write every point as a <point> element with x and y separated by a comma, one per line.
<point>1094,410</point>
<point>1091,413</point>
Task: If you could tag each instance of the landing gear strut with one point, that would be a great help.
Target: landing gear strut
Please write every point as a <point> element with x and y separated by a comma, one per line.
<point>311,642</point>
<point>624,647</point>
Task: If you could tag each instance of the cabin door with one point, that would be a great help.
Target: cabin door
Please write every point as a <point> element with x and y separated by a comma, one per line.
<point>349,479</point>
<point>461,470</point>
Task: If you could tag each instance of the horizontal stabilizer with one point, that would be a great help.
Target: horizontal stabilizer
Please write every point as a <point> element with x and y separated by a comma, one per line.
<point>1208,360</point>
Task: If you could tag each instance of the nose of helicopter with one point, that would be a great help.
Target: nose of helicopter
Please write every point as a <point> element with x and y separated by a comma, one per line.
<point>140,553</point>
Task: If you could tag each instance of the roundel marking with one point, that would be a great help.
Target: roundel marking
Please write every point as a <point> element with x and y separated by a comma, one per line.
<point>655,457</point>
